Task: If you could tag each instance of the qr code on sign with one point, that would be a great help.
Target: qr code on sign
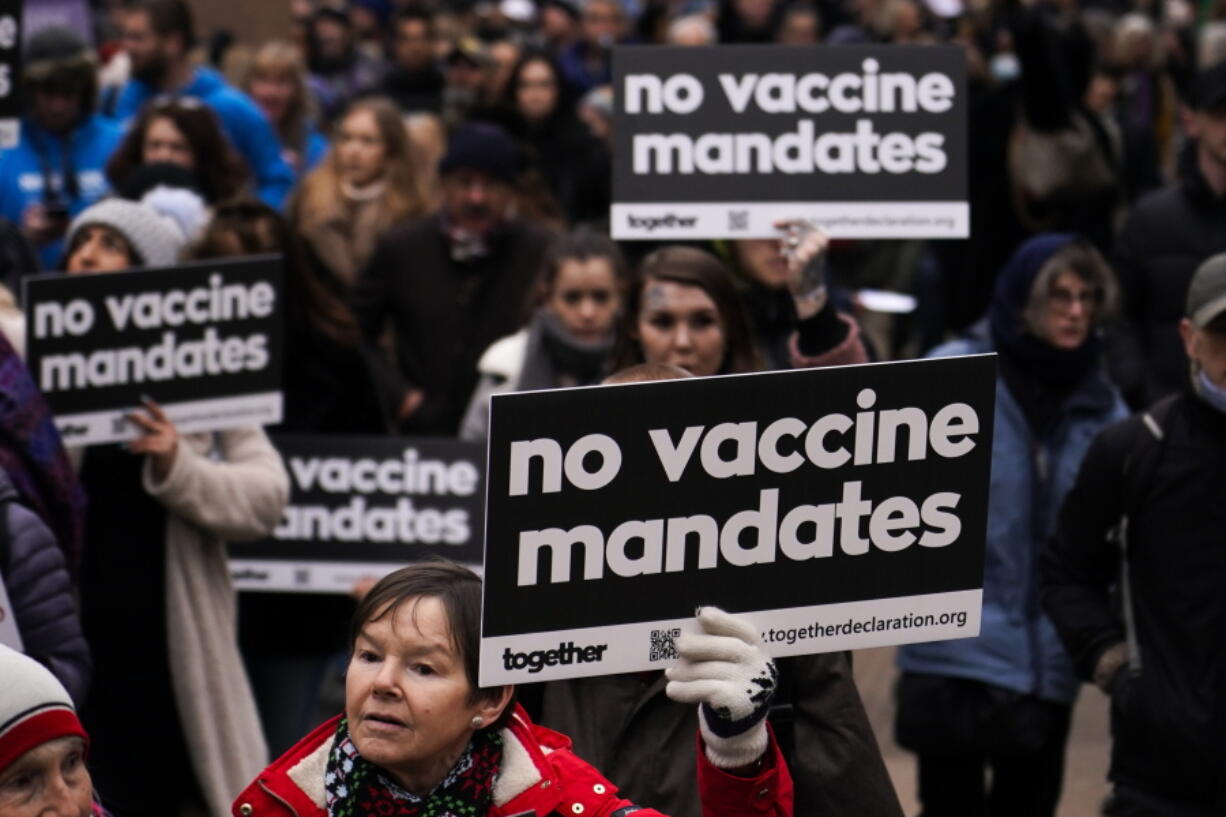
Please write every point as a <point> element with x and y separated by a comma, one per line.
<point>664,644</point>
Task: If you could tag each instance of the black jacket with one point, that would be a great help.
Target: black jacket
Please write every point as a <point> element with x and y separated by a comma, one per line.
<point>443,313</point>
<point>36,578</point>
<point>1169,722</point>
<point>828,742</point>
<point>1167,235</point>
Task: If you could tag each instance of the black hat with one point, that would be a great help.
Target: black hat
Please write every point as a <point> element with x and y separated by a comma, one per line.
<point>1209,90</point>
<point>54,50</point>
<point>484,147</point>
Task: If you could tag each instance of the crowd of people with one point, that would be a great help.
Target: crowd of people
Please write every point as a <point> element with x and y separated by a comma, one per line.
<point>437,176</point>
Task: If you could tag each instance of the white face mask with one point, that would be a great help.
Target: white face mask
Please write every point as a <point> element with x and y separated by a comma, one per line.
<point>1210,392</point>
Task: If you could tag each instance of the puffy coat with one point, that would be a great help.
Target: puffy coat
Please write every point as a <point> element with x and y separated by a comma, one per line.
<point>242,121</point>
<point>1017,647</point>
<point>540,775</point>
<point>1169,721</point>
<point>21,171</point>
<point>1166,237</point>
<point>41,593</point>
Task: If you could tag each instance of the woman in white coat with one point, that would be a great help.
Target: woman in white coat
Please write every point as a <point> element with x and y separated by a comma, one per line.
<point>171,712</point>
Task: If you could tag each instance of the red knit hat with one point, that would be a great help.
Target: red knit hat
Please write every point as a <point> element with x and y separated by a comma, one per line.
<point>34,707</point>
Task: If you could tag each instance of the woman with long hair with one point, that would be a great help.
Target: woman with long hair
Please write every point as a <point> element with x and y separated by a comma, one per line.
<point>684,311</point>
<point>185,132</point>
<point>573,163</point>
<point>276,80</point>
<point>157,604</point>
<point>363,186</point>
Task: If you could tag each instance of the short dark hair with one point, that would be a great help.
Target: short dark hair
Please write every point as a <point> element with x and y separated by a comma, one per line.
<point>459,591</point>
<point>581,244</point>
<point>168,17</point>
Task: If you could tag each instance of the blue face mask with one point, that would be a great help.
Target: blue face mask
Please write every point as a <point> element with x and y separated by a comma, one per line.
<point>1210,392</point>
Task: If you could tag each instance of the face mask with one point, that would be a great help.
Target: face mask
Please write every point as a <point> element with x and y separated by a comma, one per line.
<point>1210,392</point>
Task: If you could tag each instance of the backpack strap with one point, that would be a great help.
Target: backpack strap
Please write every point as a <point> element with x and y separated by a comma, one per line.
<point>1140,470</point>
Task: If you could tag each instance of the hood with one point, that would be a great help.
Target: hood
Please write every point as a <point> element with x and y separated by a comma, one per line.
<point>1010,334</point>
<point>205,82</point>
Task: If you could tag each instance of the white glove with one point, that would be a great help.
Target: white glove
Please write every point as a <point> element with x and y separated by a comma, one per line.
<point>726,670</point>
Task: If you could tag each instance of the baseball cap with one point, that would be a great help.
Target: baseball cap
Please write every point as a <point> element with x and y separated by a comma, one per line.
<point>1207,292</point>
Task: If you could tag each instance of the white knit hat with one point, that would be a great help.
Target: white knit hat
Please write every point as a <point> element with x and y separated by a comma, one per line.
<point>156,238</point>
<point>34,707</point>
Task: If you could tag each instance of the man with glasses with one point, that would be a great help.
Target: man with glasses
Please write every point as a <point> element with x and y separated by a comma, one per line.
<point>451,283</point>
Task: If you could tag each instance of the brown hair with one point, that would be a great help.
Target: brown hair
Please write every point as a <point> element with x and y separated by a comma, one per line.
<point>581,244</point>
<point>280,60</point>
<point>692,267</point>
<point>458,589</point>
<point>248,226</point>
<point>403,197</point>
<point>221,171</point>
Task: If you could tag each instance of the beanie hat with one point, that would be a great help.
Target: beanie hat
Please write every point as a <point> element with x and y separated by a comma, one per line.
<point>155,237</point>
<point>34,708</point>
<point>53,49</point>
<point>484,147</point>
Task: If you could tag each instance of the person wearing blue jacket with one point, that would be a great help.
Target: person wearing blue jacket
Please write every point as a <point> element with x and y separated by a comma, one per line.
<point>1003,700</point>
<point>158,34</point>
<point>56,170</point>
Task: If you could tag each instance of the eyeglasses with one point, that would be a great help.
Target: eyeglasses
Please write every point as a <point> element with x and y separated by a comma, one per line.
<point>1065,298</point>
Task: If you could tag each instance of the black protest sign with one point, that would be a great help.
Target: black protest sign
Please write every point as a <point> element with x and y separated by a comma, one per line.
<point>838,508</point>
<point>202,339</point>
<point>363,506</point>
<point>10,73</point>
<point>865,141</point>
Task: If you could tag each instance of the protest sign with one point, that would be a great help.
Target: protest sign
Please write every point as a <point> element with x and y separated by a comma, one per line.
<point>865,141</point>
<point>10,73</point>
<point>364,506</point>
<point>202,339</point>
<point>837,508</point>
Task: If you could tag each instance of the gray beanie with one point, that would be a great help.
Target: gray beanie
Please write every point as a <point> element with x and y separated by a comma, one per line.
<point>155,237</point>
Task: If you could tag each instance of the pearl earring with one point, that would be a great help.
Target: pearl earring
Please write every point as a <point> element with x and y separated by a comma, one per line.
<point>477,722</point>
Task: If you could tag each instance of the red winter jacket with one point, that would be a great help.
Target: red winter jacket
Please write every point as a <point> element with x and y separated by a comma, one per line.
<point>540,776</point>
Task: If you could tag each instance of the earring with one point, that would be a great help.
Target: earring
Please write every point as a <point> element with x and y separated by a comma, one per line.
<point>477,722</point>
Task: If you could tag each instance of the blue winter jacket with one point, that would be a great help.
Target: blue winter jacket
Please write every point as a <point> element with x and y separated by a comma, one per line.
<point>242,121</point>
<point>22,182</point>
<point>40,591</point>
<point>1017,647</point>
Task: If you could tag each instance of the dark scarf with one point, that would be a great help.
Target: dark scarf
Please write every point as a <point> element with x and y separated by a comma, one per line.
<point>32,454</point>
<point>555,358</point>
<point>1039,376</point>
<point>357,788</point>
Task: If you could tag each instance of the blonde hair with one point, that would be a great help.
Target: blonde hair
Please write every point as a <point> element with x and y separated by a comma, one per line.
<point>403,196</point>
<point>280,60</point>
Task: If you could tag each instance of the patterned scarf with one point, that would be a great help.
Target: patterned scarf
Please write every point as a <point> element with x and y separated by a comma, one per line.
<point>357,788</point>
<point>33,456</point>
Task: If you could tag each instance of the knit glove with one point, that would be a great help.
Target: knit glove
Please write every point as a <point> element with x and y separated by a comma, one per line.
<point>726,671</point>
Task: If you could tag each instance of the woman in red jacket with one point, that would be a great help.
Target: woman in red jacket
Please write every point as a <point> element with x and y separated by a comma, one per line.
<point>419,737</point>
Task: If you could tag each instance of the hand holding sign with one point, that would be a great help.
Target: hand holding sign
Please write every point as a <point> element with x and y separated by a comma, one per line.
<point>160,438</point>
<point>803,247</point>
<point>726,670</point>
